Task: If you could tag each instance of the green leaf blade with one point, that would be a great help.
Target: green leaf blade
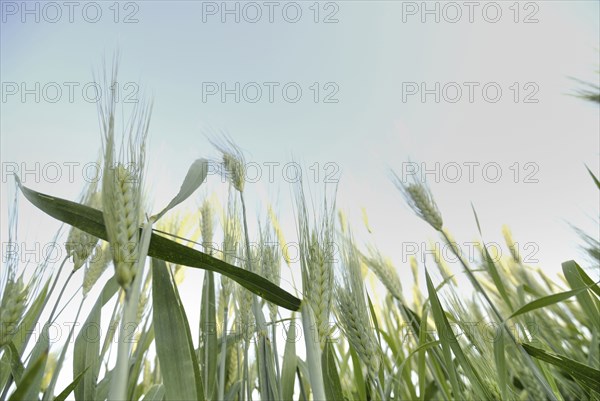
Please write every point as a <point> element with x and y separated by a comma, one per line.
<point>91,221</point>
<point>172,345</point>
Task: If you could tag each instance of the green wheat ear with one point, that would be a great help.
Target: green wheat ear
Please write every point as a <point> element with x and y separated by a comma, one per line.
<point>122,188</point>
<point>99,262</point>
<point>420,200</point>
<point>353,314</point>
<point>14,300</point>
<point>233,163</point>
<point>80,244</point>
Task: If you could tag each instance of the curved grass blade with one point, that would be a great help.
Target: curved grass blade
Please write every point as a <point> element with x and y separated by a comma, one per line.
<point>288,370</point>
<point>33,373</point>
<point>593,177</point>
<point>194,178</point>
<point>571,271</point>
<point>546,301</point>
<point>16,366</point>
<point>87,346</point>
<point>447,338</point>
<point>333,386</point>
<point>450,342</point>
<point>491,266</point>
<point>587,280</point>
<point>146,339</point>
<point>156,393</point>
<point>233,391</point>
<point>69,389</point>
<point>91,221</point>
<point>303,380</point>
<point>361,385</point>
<point>104,385</point>
<point>29,385</point>
<point>587,376</point>
<point>500,360</point>
<point>421,348</point>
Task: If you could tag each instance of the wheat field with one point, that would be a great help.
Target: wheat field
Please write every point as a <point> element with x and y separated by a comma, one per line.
<point>519,334</point>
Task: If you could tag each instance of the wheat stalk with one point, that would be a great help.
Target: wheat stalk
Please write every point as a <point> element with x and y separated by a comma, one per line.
<point>122,204</point>
<point>122,187</point>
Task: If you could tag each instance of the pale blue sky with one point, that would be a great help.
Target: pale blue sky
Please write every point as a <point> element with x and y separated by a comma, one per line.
<point>369,53</point>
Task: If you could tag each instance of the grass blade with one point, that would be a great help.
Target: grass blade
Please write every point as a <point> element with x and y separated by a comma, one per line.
<point>40,349</point>
<point>500,359</point>
<point>208,335</point>
<point>587,280</point>
<point>266,369</point>
<point>172,346</point>
<point>138,357</point>
<point>546,301</point>
<point>491,266</point>
<point>571,271</point>
<point>288,370</point>
<point>313,353</point>
<point>16,366</point>
<point>30,385</point>
<point>194,178</point>
<point>360,383</point>
<point>450,342</point>
<point>69,389</point>
<point>331,378</point>
<point>155,393</point>
<point>596,181</point>
<point>587,375</point>
<point>87,346</point>
<point>91,221</point>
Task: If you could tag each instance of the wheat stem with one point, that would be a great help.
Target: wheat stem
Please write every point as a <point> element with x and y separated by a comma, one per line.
<point>118,388</point>
<point>50,390</point>
<point>221,391</point>
<point>313,353</point>
<point>62,291</point>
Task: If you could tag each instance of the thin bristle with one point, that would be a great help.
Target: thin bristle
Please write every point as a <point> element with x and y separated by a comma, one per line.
<point>122,188</point>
